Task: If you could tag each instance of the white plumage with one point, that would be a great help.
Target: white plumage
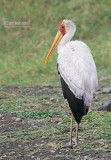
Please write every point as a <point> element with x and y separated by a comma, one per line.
<point>80,73</point>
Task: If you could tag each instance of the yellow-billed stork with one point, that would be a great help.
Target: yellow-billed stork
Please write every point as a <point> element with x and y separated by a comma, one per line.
<point>77,71</point>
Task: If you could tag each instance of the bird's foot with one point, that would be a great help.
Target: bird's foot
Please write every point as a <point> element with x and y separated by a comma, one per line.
<point>67,146</point>
<point>75,145</point>
<point>70,145</point>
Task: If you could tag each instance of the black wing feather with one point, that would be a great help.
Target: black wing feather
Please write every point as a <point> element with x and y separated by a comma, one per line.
<point>62,84</point>
<point>76,105</point>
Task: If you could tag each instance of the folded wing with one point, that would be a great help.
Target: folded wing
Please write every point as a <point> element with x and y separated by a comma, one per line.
<point>77,68</point>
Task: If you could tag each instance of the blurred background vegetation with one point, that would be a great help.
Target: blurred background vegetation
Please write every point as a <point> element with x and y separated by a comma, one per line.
<point>23,49</point>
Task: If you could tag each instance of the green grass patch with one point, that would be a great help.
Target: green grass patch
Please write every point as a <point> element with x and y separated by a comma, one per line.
<point>39,114</point>
<point>23,50</point>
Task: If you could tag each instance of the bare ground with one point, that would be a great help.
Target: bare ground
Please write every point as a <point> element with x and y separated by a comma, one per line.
<point>25,137</point>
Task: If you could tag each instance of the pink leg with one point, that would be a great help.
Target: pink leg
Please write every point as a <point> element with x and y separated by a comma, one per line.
<point>70,142</point>
<point>76,138</point>
<point>71,127</point>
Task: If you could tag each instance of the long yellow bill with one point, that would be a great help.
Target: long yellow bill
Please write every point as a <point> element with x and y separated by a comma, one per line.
<point>54,45</point>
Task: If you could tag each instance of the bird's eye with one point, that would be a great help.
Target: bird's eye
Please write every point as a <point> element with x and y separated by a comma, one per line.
<point>62,26</point>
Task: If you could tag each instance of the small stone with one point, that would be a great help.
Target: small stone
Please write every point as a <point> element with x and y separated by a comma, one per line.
<point>19,106</point>
<point>35,126</point>
<point>95,150</point>
<point>107,90</point>
<point>96,98</point>
<point>46,159</point>
<point>86,158</point>
<point>32,156</point>
<point>2,136</point>
<point>0,115</point>
<point>52,151</point>
<point>19,145</point>
<point>17,119</point>
<point>59,122</point>
<point>101,148</point>
<point>105,107</point>
<point>101,142</point>
<point>39,120</point>
<point>51,99</point>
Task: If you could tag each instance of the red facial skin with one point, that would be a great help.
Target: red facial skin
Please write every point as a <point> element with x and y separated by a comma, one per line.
<point>62,29</point>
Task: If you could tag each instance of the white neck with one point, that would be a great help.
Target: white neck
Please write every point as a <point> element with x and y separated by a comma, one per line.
<point>67,37</point>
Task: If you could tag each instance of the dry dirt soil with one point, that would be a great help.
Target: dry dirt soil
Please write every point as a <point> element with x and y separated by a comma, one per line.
<point>35,123</point>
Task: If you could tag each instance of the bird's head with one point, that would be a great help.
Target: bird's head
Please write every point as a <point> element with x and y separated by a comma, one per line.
<point>64,28</point>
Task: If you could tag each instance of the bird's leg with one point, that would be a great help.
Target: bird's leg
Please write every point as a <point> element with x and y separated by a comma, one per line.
<point>76,138</point>
<point>71,127</point>
<point>70,142</point>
